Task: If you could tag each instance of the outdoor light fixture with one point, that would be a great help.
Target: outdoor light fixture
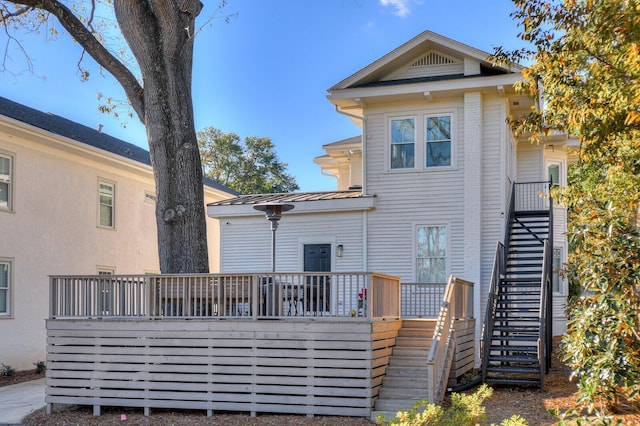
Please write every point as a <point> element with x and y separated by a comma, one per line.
<point>339,249</point>
<point>273,213</point>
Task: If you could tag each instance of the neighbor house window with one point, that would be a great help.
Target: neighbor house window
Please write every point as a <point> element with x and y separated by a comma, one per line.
<point>431,254</point>
<point>403,138</point>
<point>106,196</point>
<point>438,141</point>
<point>6,163</point>
<point>5,287</point>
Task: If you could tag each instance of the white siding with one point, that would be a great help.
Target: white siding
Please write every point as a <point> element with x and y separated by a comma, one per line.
<point>529,162</point>
<point>246,241</point>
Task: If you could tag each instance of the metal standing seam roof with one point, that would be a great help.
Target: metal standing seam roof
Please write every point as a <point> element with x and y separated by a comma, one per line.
<point>64,127</point>
<point>290,197</point>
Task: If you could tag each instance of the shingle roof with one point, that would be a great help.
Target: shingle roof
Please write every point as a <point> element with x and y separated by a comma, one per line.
<point>288,197</point>
<point>64,127</point>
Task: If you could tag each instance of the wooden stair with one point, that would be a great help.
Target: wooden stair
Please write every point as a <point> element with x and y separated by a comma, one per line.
<point>406,378</point>
<point>515,343</point>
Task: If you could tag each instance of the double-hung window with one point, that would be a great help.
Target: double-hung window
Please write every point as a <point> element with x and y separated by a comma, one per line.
<point>438,141</point>
<point>5,287</point>
<point>403,143</point>
<point>106,204</point>
<point>6,163</point>
<point>431,254</point>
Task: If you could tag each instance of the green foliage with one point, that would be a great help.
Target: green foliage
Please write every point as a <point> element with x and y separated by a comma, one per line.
<point>586,70</point>
<point>6,370</point>
<point>249,167</point>
<point>41,366</point>
<point>465,410</point>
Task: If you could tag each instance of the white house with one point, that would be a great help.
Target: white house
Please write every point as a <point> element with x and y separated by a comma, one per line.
<point>73,200</point>
<point>424,191</point>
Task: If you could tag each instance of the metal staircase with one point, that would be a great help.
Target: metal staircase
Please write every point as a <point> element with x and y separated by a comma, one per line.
<point>517,330</point>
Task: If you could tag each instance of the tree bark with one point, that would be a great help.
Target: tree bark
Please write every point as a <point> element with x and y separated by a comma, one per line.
<point>160,35</point>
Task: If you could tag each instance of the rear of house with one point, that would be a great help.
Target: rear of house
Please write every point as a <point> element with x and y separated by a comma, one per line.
<point>436,159</point>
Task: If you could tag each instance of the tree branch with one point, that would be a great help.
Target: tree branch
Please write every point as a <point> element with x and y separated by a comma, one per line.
<point>100,54</point>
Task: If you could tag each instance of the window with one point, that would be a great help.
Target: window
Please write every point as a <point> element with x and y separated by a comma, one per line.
<point>5,182</point>
<point>556,279</point>
<point>5,287</point>
<point>554,174</point>
<point>431,254</point>
<point>403,137</point>
<point>438,141</point>
<point>106,192</point>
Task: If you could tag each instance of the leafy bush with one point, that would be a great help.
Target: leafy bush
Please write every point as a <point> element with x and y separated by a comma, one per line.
<point>7,370</point>
<point>41,366</point>
<point>465,410</point>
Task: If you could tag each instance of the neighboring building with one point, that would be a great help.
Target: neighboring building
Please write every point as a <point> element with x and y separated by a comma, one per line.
<point>73,200</point>
<point>424,191</point>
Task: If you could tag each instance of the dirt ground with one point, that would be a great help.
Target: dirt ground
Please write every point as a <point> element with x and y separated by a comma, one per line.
<point>530,403</point>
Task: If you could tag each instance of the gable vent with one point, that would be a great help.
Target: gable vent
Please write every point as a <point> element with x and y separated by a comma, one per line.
<point>431,59</point>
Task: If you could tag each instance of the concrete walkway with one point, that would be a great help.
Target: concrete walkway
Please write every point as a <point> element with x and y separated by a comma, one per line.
<point>17,401</point>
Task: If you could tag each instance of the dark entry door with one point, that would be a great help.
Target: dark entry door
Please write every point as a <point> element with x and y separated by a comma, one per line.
<point>317,258</point>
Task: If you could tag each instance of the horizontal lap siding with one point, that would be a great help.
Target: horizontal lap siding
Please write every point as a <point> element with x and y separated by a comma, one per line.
<point>407,199</point>
<point>247,241</point>
<point>312,368</point>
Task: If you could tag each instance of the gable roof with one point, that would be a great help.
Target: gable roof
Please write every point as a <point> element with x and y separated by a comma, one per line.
<point>70,129</point>
<point>426,43</point>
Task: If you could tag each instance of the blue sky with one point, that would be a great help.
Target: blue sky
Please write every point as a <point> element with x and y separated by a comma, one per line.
<point>266,72</point>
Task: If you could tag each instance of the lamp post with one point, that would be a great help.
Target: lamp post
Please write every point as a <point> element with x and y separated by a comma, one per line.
<point>273,212</point>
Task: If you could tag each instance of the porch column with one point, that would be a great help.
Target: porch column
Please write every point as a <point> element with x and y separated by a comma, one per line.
<point>473,198</point>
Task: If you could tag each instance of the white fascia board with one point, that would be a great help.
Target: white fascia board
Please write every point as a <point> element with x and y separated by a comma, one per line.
<point>319,206</point>
<point>72,146</point>
<point>454,85</point>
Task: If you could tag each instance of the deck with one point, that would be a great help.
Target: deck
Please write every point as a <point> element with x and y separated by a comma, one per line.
<point>278,343</point>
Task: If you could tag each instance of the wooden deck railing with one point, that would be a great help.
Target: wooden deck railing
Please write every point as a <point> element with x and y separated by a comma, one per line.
<point>456,305</point>
<point>243,296</point>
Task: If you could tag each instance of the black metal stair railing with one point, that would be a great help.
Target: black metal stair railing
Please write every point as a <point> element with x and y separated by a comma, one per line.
<point>516,339</point>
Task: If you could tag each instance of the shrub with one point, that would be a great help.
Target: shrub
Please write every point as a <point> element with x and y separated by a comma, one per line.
<point>6,370</point>
<point>465,410</point>
<point>41,366</point>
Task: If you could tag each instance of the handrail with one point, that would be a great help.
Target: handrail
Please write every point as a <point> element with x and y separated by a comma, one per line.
<point>243,296</point>
<point>492,304</point>
<point>443,344</point>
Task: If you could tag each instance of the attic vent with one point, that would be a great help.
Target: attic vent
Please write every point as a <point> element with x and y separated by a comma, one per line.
<point>431,59</point>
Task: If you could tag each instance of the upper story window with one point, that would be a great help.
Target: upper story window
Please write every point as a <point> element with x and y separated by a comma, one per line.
<point>403,143</point>
<point>421,143</point>
<point>5,287</point>
<point>431,254</point>
<point>106,204</point>
<point>438,141</point>
<point>6,181</point>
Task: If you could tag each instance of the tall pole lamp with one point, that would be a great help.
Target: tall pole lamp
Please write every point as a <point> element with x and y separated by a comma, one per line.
<point>273,212</point>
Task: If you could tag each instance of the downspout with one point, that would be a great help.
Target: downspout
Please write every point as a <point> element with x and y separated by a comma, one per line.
<point>365,255</point>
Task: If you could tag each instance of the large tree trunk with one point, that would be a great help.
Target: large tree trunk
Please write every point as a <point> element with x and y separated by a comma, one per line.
<point>160,34</point>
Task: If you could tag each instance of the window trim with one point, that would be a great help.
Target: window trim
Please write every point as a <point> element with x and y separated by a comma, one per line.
<point>420,144</point>
<point>416,138</point>
<point>12,166</point>
<point>113,204</point>
<point>563,289</point>
<point>10,285</point>
<point>447,256</point>
<point>451,140</point>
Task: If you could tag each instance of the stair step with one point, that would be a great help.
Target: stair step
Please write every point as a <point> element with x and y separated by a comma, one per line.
<point>515,348</point>
<point>394,405</point>
<point>405,382</point>
<point>512,370</point>
<point>516,338</point>
<point>408,361</point>
<point>411,351</point>
<point>527,359</point>
<point>416,332</point>
<point>417,342</point>
<point>402,393</point>
<point>402,371</point>
<point>513,381</point>
<point>522,330</point>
